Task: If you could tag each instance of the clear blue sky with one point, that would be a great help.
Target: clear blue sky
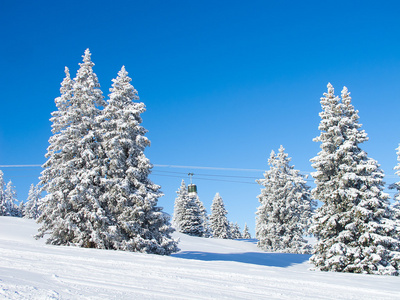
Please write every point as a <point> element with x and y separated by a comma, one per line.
<point>224,82</point>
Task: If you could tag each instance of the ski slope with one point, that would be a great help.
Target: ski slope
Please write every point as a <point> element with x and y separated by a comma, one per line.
<point>203,269</point>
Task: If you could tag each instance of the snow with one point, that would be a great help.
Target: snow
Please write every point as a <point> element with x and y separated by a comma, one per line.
<point>203,269</point>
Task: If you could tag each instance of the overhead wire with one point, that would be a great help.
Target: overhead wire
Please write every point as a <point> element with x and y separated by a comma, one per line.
<point>169,173</point>
<point>19,166</point>
<point>202,178</point>
<point>202,174</point>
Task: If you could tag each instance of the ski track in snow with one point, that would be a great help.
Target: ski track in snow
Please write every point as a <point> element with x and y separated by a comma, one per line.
<point>204,269</point>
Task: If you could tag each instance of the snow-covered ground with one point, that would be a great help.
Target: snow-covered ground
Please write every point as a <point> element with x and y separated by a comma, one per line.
<point>204,269</point>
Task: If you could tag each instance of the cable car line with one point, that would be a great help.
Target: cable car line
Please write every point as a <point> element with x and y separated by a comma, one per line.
<point>202,174</point>
<point>20,166</point>
<point>208,168</point>
<point>210,179</point>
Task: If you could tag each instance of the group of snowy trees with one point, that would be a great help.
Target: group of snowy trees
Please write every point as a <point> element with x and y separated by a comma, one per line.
<point>219,224</point>
<point>357,229</point>
<point>98,193</point>
<point>10,206</point>
<point>189,213</point>
<point>190,217</point>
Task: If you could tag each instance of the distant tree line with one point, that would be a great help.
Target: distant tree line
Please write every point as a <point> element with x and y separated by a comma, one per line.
<point>190,217</point>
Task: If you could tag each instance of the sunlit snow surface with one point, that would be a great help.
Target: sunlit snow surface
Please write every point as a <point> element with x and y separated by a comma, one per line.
<point>204,269</point>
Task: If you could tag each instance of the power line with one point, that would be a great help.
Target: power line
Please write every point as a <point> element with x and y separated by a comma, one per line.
<point>208,168</point>
<point>20,166</point>
<point>210,179</point>
<point>202,174</point>
<point>194,167</point>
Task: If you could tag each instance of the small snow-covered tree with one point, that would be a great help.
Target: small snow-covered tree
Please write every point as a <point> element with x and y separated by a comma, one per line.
<point>128,195</point>
<point>31,208</point>
<point>354,229</point>
<point>179,207</point>
<point>188,217</point>
<point>286,207</point>
<point>218,221</point>
<point>396,185</point>
<point>10,195</point>
<point>71,212</point>
<point>3,207</point>
<point>21,209</point>
<point>246,233</point>
<point>203,214</point>
<point>235,231</point>
<point>9,205</point>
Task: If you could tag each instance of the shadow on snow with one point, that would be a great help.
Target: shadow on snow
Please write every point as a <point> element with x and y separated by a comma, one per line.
<point>263,259</point>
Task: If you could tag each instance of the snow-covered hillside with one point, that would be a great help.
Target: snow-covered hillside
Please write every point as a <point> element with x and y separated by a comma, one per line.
<point>204,269</point>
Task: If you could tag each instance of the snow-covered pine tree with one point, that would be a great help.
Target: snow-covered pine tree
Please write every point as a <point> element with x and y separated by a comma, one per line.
<point>3,206</point>
<point>71,212</point>
<point>218,221</point>
<point>128,195</point>
<point>9,205</point>
<point>354,229</point>
<point>31,208</point>
<point>188,217</point>
<point>246,233</point>
<point>396,185</point>
<point>21,209</point>
<point>286,207</point>
<point>179,207</point>
<point>235,231</point>
<point>204,215</point>
<point>8,201</point>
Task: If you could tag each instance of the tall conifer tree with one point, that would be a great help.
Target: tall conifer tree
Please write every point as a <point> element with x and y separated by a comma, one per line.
<point>218,221</point>
<point>128,195</point>
<point>71,212</point>
<point>286,207</point>
<point>354,228</point>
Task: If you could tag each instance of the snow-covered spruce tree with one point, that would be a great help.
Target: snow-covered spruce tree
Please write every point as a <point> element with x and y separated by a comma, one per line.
<point>235,231</point>
<point>11,197</point>
<point>8,200</point>
<point>204,216</point>
<point>128,195</point>
<point>72,176</point>
<point>218,221</point>
<point>3,206</point>
<point>396,185</point>
<point>179,206</point>
<point>10,206</point>
<point>246,233</point>
<point>286,207</point>
<point>188,217</point>
<point>31,208</point>
<point>354,229</point>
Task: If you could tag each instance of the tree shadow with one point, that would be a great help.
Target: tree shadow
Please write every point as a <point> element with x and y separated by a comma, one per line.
<point>282,260</point>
